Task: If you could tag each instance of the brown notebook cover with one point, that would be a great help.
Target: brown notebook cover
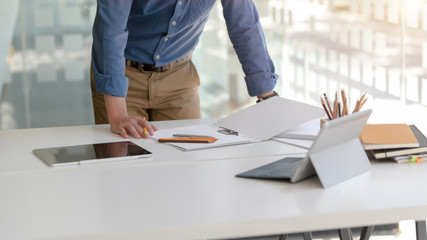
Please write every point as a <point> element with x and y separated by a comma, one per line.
<point>422,149</point>
<point>386,136</point>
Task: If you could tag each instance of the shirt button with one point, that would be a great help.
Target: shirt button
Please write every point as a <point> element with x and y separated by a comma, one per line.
<point>158,56</point>
<point>166,39</point>
<point>180,3</point>
<point>173,23</point>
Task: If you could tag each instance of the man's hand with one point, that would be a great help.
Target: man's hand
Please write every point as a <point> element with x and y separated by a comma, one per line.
<point>123,124</point>
<point>132,125</point>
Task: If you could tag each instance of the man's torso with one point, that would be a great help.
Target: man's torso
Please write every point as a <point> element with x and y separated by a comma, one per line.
<point>163,31</point>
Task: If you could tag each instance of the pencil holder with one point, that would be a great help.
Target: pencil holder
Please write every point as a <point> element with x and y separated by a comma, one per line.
<point>322,121</point>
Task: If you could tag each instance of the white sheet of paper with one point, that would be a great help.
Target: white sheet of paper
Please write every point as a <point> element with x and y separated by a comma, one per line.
<point>305,131</point>
<point>258,122</point>
<point>268,118</point>
<point>296,142</point>
<point>207,130</point>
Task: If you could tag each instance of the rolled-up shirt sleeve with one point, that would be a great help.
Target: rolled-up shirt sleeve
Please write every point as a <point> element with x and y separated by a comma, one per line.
<point>109,41</point>
<point>246,34</point>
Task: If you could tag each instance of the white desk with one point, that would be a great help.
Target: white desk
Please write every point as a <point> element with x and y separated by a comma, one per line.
<point>185,198</point>
<point>16,146</point>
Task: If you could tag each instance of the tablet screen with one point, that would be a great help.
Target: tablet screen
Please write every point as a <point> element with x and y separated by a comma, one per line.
<point>91,153</point>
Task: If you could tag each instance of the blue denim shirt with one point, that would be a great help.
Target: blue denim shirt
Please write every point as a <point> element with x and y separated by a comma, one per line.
<point>161,31</point>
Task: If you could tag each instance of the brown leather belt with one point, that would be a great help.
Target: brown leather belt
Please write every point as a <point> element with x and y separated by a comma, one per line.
<point>144,67</point>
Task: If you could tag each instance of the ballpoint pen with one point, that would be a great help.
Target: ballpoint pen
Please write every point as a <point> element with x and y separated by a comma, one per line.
<point>191,135</point>
<point>187,140</point>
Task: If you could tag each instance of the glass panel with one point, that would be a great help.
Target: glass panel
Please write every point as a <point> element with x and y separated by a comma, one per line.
<point>49,64</point>
<point>317,46</point>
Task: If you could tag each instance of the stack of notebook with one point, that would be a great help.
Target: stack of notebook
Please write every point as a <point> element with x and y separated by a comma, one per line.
<point>400,142</point>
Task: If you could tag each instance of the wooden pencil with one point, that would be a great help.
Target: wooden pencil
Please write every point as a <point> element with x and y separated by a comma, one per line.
<point>327,103</point>
<point>345,106</point>
<point>326,110</point>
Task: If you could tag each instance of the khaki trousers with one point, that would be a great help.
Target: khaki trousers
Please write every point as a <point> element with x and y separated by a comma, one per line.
<point>157,96</point>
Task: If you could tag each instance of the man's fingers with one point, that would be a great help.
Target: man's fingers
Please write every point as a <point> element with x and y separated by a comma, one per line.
<point>133,126</point>
<point>142,131</point>
<point>137,122</point>
<point>154,127</point>
<point>146,125</point>
<point>123,133</point>
<point>132,130</point>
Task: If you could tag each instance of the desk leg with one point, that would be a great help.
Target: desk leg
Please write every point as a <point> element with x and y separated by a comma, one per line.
<point>421,230</point>
<point>307,236</point>
<point>366,232</point>
<point>283,237</point>
<point>345,234</point>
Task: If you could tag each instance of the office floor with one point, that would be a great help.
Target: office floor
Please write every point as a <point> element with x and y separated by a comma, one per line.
<point>404,230</point>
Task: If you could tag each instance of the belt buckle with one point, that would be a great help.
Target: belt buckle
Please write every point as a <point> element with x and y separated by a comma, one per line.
<point>141,67</point>
<point>154,69</point>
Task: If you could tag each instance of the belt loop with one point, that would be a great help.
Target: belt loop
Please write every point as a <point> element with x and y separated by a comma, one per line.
<point>182,60</point>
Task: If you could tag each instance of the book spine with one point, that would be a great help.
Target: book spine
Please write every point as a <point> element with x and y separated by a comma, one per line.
<point>406,152</point>
<point>379,155</point>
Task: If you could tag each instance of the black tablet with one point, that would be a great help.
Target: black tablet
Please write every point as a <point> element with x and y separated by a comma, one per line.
<point>91,153</point>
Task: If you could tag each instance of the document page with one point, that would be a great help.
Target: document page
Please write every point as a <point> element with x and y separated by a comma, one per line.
<point>206,130</point>
<point>266,119</point>
<point>258,122</point>
<point>296,142</point>
<point>305,131</point>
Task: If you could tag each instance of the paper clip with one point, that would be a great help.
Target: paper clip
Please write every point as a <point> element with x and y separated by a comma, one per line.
<point>227,131</point>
